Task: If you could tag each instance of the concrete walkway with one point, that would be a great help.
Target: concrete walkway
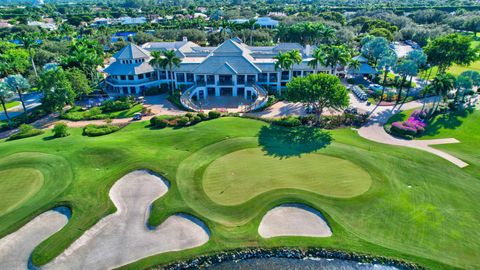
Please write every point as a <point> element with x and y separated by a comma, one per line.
<point>373,130</point>
<point>293,220</point>
<point>117,239</point>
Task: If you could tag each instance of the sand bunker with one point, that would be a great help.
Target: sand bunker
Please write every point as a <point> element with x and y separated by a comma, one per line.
<point>15,248</point>
<point>293,220</point>
<point>120,238</point>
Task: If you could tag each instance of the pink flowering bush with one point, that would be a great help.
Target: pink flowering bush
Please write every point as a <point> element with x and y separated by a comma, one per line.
<point>414,125</point>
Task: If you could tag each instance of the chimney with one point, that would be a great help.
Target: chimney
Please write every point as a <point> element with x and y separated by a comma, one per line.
<point>184,39</point>
<point>308,50</point>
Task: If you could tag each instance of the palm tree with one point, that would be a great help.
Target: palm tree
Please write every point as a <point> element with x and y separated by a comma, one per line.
<point>296,56</point>
<point>156,61</point>
<point>404,68</point>
<point>250,24</point>
<point>327,34</point>
<point>5,93</point>
<point>354,64</point>
<point>336,55</point>
<point>386,62</point>
<point>283,62</point>
<point>20,85</point>
<point>169,61</point>
<point>318,59</point>
<point>442,84</point>
<point>29,42</point>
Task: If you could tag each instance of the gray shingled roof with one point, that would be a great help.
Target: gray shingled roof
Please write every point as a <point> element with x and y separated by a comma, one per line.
<point>131,51</point>
<point>117,68</point>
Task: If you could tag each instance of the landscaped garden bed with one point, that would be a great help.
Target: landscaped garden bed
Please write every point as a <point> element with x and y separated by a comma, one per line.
<point>125,107</point>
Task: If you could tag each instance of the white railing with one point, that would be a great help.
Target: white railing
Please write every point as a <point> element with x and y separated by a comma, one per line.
<point>186,100</point>
<point>262,98</point>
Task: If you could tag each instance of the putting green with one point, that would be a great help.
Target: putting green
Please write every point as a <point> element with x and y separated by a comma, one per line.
<point>239,176</point>
<point>16,186</point>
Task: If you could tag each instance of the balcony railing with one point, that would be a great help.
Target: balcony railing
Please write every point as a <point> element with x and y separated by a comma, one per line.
<point>225,83</point>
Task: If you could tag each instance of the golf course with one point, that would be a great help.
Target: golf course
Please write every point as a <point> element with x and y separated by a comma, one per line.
<point>377,199</point>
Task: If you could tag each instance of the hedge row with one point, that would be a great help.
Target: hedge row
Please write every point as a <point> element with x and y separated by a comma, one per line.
<point>99,130</point>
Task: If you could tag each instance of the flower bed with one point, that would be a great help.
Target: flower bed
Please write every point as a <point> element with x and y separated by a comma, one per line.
<point>412,127</point>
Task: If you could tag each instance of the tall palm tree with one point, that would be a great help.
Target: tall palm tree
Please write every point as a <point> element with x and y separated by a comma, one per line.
<point>283,62</point>
<point>385,63</point>
<point>354,64</point>
<point>296,56</point>
<point>336,55</point>
<point>405,68</point>
<point>169,61</point>
<point>327,34</point>
<point>156,61</point>
<point>29,42</point>
<point>442,84</point>
<point>20,85</point>
<point>318,59</point>
<point>5,93</point>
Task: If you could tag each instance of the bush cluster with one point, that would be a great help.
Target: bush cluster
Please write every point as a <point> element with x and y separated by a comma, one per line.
<point>115,106</point>
<point>25,131</point>
<point>32,116</point>
<point>180,121</point>
<point>289,121</point>
<point>60,130</point>
<point>99,130</point>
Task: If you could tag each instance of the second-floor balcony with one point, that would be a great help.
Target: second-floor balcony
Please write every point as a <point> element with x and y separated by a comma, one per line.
<point>226,82</point>
<point>131,82</point>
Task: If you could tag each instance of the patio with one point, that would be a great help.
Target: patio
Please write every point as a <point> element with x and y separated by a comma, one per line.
<point>229,103</point>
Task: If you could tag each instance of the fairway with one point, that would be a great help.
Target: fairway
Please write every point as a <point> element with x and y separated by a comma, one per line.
<point>240,176</point>
<point>16,186</point>
<point>377,199</point>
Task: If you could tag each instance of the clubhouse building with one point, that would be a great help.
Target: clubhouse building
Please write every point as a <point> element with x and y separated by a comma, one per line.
<point>233,69</point>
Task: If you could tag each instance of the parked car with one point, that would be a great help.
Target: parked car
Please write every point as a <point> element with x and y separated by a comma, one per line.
<point>137,116</point>
<point>351,110</point>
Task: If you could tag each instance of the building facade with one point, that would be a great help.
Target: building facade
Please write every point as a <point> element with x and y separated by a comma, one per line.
<point>231,69</point>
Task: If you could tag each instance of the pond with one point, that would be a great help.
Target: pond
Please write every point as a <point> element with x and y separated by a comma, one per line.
<point>297,264</point>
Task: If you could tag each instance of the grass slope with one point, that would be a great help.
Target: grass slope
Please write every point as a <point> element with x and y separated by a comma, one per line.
<point>11,104</point>
<point>419,207</point>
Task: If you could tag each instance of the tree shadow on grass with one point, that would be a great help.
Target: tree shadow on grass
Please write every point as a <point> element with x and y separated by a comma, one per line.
<point>286,142</point>
<point>451,120</point>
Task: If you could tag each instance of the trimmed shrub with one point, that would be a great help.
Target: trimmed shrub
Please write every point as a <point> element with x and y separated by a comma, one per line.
<point>115,106</point>
<point>202,115</point>
<point>99,130</point>
<point>288,121</point>
<point>214,114</point>
<point>196,119</point>
<point>158,122</point>
<point>25,131</point>
<point>60,130</point>
<point>183,121</point>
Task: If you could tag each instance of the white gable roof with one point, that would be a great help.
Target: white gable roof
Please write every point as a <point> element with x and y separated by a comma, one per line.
<point>131,51</point>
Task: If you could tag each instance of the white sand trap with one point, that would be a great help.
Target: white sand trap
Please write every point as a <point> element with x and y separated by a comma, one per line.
<point>293,220</point>
<point>15,248</point>
<point>123,237</point>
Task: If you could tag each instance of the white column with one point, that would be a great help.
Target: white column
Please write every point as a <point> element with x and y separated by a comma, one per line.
<point>234,91</point>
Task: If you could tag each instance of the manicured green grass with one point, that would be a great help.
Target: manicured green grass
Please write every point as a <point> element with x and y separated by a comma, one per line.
<point>419,207</point>
<point>11,104</point>
<point>127,113</point>
<point>240,176</point>
<point>16,186</point>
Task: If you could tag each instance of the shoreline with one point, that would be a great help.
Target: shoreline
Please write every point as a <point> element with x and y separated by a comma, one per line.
<point>204,261</point>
